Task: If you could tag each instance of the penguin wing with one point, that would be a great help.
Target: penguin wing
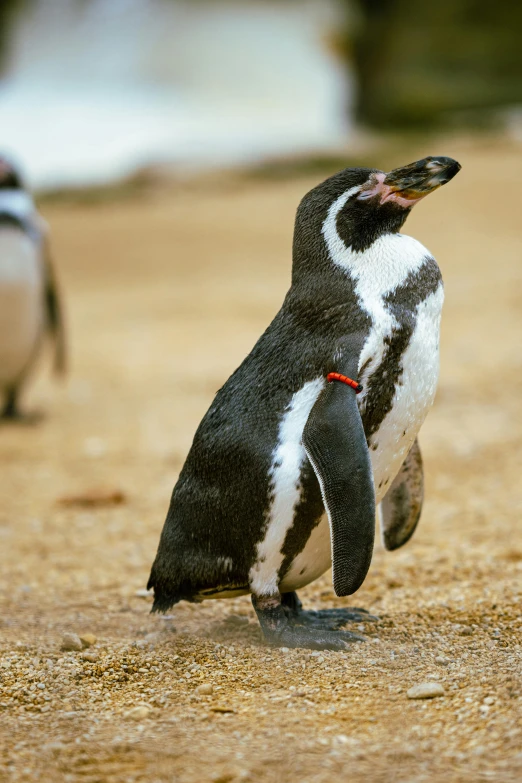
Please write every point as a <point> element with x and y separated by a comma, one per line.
<point>54,311</point>
<point>402,505</point>
<point>335,443</point>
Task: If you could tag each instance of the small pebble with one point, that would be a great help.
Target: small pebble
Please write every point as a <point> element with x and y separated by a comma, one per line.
<point>205,689</point>
<point>94,447</point>
<point>71,641</point>
<point>138,712</point>
<point>90,656</point>
<point>87,640</point>
<point>142,593</point>
<point>425,690</point>
<point>94,498</point>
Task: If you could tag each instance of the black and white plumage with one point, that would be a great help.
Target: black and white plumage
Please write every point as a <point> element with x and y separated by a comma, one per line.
<point>286,469</point>
<point>30,304</point>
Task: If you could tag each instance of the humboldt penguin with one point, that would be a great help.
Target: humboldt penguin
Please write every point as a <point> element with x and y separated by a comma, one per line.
<point>318,426</point>
<point>30,305</point>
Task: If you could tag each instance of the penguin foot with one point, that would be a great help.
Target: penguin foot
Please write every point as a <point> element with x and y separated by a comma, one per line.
<point>16,417</point>
<point>329,618</point>
<point>10,409</point>
<point>281,629</point>
<point>11,412</point>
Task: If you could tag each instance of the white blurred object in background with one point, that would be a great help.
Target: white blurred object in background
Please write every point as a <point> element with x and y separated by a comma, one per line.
<point>94,90</point>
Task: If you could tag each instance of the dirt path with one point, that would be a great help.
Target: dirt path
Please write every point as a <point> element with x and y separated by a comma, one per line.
<point>165,296</point>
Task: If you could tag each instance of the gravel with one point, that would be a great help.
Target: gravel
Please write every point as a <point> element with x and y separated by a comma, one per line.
<point>297,717</point>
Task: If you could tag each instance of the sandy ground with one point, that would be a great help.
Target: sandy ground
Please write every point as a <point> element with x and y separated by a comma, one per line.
<point>166,293</point>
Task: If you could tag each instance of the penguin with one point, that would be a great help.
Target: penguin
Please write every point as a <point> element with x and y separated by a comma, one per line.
<point>317,429</point>
<point>30,304</point>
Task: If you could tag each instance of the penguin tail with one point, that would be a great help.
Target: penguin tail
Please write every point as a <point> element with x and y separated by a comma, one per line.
<point>167,595</point>
<point>162,602</point>
<point>165,601</point>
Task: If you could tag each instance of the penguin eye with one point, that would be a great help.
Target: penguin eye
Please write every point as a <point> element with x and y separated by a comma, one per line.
<point>370,188</point>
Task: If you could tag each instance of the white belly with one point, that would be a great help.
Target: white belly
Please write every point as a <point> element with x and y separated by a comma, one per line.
<point>312,562</point>
<point>413,396</point>
<point>21,303</point>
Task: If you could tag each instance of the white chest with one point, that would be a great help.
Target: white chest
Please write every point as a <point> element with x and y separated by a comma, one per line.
<point>377,273</point>
<point>413,395</point>
<point>21,302</point>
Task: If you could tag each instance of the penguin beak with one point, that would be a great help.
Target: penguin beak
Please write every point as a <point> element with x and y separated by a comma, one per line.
<point>413,182</point>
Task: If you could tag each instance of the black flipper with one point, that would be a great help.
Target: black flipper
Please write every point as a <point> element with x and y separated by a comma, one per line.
<point>402,505</point>
<point>54,310</point>
<point>336,446</point>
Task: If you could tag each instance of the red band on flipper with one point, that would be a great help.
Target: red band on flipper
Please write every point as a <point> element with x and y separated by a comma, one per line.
<point>336,376</point>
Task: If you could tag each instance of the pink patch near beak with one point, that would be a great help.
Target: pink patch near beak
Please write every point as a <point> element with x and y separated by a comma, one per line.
<point>386,192</point>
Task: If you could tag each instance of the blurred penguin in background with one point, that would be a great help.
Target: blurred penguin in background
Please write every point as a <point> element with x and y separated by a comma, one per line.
<point>30,305</point>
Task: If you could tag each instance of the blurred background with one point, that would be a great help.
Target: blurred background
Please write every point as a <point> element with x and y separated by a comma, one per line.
<point>92,90</point>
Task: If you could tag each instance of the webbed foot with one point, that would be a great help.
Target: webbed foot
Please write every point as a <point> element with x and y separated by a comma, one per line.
<point>281,629</point>
<point>329,618</point>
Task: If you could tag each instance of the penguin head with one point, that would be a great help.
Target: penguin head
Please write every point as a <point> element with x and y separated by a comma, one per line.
<point>10,178</point>
<point>367,203</point>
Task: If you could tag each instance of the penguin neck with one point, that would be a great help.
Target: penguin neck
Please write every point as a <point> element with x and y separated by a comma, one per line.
<point>326,272</point>
<point>384,264</point>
